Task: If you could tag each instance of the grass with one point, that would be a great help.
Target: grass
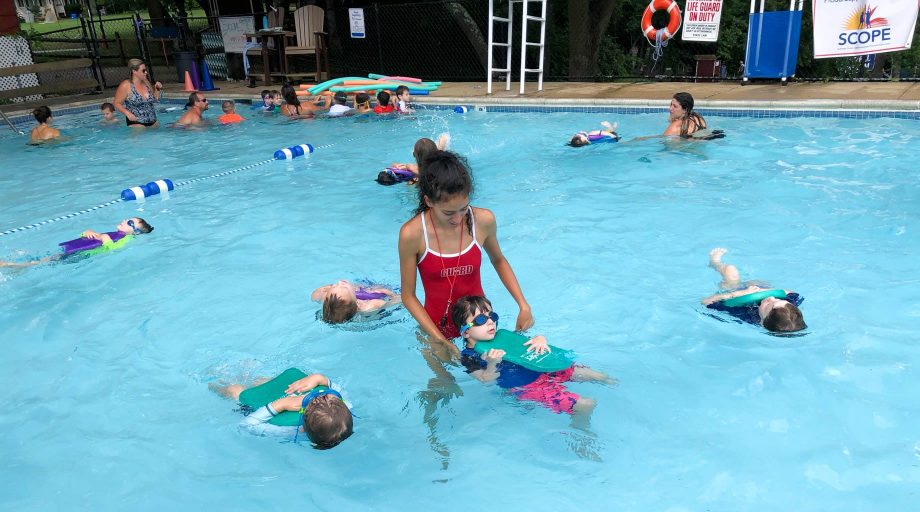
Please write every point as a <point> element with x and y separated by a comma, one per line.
<point>65,23</point>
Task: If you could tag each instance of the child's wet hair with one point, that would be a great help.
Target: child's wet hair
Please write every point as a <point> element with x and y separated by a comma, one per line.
<point>785,318</point>
<point>362,98</point>
<point>142,226</point>
<point>578,141</point>
<point>401,89</point>
<point>386,178</point>
<point>383,98</point>
<point>107,106</point>
<point>337,310</point>
<point>327,421</point>
<point>227,106</point>
<point>466,307</point>
<point>42,114</point>
<point>266,93</point>
<point>341,98</point>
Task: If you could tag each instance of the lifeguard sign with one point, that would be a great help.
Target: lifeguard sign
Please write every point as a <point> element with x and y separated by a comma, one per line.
<point>701,20</point>
<point>846,28</point>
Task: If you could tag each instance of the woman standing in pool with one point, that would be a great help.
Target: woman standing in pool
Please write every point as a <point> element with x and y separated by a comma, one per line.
<point>135,97</point>
<point>444,243</point>
<point>682,120</point>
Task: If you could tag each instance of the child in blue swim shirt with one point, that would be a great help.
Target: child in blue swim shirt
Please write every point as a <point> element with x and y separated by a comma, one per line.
<point>325,416</point>
<point>777,310</point>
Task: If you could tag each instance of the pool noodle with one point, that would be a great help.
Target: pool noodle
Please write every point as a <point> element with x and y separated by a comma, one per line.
<point>353,88</point>
<point>403,79</point>
<point>394,79</point>
<point>307,86</point>
<point>335,81</point>
<point>418,92</point>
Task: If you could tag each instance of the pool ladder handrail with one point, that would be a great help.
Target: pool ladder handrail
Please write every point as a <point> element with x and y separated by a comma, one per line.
<point>10,123</point>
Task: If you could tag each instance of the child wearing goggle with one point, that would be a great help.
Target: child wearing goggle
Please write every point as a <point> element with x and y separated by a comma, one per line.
<point>323,414</point>
<point>477,322</point>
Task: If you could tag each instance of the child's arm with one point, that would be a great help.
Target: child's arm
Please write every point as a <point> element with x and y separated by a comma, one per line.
<point>490,372</point>
<point>257,422</point>
<point>319,294</point>
<point>538,344</point>
<point>307,383</point>
<point>102,237</point>
<point>723,296</point>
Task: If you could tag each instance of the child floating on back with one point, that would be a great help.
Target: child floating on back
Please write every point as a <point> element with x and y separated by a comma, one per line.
<point>608,134</point>
<point>408,173</point>
<point>342,301</point>
<point>91,242</point>
<point>229,116</point>
<point>777,310</point>
<point>478,324</point>
<point>292,403</point>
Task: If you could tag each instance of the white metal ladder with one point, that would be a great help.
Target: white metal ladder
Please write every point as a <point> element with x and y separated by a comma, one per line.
<point>526,18</point>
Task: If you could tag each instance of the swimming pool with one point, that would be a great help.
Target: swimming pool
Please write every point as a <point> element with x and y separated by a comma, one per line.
<point>107,360</point>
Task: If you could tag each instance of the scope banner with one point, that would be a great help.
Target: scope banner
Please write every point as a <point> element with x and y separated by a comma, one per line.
<point>845,28</point>
<point>701,20</point>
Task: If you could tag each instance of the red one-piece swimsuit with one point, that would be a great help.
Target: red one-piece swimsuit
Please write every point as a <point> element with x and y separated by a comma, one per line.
<point>447,277</point>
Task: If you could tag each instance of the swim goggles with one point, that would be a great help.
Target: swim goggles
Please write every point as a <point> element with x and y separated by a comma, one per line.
<point>480,319</point>
<point>131,225</point>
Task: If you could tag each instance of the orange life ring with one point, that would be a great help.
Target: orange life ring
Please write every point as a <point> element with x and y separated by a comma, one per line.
<point>649,30</point>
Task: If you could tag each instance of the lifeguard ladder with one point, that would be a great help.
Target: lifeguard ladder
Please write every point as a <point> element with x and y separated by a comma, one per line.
<point>507,21</point>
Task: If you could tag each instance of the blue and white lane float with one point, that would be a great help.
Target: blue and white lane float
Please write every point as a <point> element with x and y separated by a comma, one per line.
<point>461,109</point>
<point>293,152</point>
<point>150,189</point>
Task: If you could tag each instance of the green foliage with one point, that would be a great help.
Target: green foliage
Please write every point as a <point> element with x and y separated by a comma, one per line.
<point>625,53</point>
<point>73,7</point>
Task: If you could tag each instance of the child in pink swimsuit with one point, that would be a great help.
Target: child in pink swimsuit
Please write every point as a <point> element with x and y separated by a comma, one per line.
<point>477,322</point>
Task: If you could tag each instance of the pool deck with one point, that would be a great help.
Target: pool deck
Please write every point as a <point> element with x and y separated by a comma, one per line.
<point>903,96</point>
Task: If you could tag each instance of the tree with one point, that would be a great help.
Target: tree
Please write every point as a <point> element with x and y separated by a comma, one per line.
<point>588,22</point>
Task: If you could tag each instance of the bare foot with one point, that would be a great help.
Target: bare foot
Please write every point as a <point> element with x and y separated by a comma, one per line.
<point>715,256</point>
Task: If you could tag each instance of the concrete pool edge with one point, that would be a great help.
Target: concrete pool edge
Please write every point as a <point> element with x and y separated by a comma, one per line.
<point>487,103</point>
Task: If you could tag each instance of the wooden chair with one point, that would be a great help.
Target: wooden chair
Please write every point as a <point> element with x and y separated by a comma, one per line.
<point>275,19</point>
<point>310,39</point>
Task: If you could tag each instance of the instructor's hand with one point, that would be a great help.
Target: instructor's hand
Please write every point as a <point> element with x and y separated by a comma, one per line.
<point>524,319</point>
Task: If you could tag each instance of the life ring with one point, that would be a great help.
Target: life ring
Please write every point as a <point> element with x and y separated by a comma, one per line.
<point>649,30</point>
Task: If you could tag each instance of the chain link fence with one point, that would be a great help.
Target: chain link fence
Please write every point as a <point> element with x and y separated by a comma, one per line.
<point>586,40</point>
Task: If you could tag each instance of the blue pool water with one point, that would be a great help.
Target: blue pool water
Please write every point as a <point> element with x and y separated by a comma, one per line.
<point>107,361</point>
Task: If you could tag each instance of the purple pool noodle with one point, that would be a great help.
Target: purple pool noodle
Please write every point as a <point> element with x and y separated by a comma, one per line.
<point>401,174</point>
<point>85,244</point>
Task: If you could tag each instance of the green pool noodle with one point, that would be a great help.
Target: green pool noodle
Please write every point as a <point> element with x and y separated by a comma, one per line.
<point>752,298</point>
<point>272,390</point>
<point>515,351</point>
<point>318,88</point>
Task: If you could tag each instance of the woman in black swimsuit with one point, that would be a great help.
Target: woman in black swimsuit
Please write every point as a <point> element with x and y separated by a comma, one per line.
<point>136,97</point>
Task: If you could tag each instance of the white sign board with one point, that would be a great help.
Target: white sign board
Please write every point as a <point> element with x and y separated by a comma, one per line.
<point>356,20</point>
<point>701,20</point>
<point>857,27</point>
<point>233,30</point>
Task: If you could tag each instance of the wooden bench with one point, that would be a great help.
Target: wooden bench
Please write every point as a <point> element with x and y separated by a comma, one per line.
<point>55,87</point>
